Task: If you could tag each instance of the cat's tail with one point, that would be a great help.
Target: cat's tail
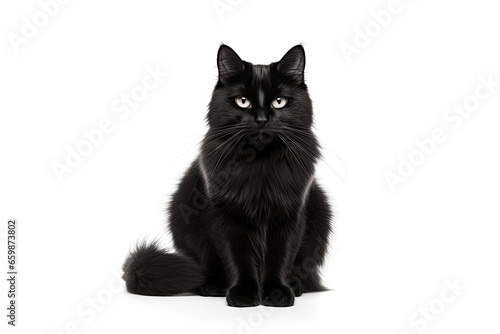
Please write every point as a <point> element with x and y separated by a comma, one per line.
<point>152,271</point>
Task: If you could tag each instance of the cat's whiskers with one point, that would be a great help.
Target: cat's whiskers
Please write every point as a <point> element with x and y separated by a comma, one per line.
<point>229,145</point>
<point>298,141</point>
<point>224,143</point>
<point>199,138</point>
<point>302,131</point>
<point>299,162</point>
<point>200,160</point>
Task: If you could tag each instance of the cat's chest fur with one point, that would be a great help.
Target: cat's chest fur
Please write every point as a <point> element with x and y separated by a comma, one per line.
<point>261,185</point>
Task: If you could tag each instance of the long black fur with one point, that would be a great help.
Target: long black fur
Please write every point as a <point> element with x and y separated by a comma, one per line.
<point>152,271</point>
<point>248,220</point>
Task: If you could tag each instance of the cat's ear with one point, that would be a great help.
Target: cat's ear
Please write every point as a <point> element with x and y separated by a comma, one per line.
<point>228,63</point>
<point>293,63</point>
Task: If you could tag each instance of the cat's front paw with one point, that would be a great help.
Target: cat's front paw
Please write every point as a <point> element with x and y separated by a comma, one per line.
<point>278,296</point>
<point>296,285</point>
<point>242,296</point>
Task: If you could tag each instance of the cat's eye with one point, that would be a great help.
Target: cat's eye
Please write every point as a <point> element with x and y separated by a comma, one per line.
<point>243,102</point>
<point>279,102</point>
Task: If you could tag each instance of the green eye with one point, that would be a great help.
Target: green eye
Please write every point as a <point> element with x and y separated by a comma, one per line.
<point>243,102</point>
<point>279,102</point>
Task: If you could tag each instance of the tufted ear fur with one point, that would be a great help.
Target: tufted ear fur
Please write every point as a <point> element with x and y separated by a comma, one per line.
<point>293,63</point>
<point>229,63</point>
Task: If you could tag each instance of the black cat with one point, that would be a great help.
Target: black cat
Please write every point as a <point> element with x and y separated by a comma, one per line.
<point>248,220</point>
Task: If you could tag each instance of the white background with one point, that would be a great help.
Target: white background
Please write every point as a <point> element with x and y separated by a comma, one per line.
<point>393,250</point>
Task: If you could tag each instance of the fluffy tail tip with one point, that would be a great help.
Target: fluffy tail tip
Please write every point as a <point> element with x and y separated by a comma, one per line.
<point>152,271</point>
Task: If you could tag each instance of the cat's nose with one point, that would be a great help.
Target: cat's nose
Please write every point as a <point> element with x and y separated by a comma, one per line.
<point>261,118</point>
<point>261,121</point>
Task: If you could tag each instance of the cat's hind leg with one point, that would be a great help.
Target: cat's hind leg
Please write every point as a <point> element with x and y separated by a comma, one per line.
<point>305,276</point>
<point>189,225</point>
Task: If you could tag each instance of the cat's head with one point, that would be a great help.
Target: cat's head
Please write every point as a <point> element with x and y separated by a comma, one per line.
<point>260,98</point>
